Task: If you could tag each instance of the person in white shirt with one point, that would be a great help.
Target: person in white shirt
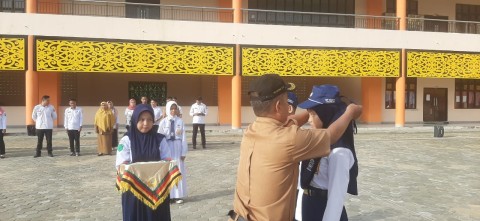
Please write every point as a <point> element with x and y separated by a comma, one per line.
<point>73,125</point>
<point>3,130</point>
<point>198,111</point>
<point>132,103</point>
<point>174,130</point>
<point>336,176</point>
<point>157,111</point>
<point>44,114</point>
<point>180,112</point>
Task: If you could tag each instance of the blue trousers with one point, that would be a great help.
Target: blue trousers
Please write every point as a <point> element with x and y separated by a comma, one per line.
<point>313,208</point>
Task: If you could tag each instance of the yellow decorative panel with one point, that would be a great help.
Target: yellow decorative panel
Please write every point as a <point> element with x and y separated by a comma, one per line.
<point>443,65</point>
<point>320,62</point>
<point>12,54</point>
<point>125,57</point>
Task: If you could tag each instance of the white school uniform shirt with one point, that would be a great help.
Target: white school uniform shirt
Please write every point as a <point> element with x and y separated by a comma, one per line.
<point>164,128</point>
<point>334,176</point>
<point>73,118</point>
<point>124,151</point>
<point>3,121</point>
<point>197,109</point>
<point>157,112</point>
<point>128,115</point>
<point>44,116</point>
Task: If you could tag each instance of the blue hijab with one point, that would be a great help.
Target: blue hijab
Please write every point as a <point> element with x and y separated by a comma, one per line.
<point>144,146</point>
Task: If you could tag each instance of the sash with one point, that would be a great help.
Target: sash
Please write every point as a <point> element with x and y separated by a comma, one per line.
<point>150,182</point>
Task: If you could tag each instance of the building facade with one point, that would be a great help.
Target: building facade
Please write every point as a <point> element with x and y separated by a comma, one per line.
<point>405,61</point>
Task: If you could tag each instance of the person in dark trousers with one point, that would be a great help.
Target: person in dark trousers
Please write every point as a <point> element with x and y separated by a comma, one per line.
<point>44,114</point>
<point>72,122</point>
<point>3,130</point>
<point>198,111</point>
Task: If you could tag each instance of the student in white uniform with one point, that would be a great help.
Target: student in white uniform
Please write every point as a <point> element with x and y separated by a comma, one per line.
<point>72,122</point>
<point>3,130</point>
<point>44,114</point>
<point>324,196</point>
<point>174,130</point>
<point>132,103</point>
<point>198,111</point>
<point>157,110</point>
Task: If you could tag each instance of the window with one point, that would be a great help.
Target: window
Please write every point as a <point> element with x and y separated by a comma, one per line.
<point>465,12</point>
<point>12,6</point>
<point>410,93</point>
<point>69,87</point>
<point>323,6</point>
<point>467,94</point>
<point>412,7</point>
<point>150,89</point>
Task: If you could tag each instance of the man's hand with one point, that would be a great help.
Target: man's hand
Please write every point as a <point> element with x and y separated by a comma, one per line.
<point>183,158</point>
<point>354,110</point>
<point>4,130</point>
<point>80,130</point>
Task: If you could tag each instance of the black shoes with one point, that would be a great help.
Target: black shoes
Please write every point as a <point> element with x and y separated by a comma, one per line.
<point>2,156</point>
<point>204,147</point>
<point>50,154</point>
<point>194,147</point>
<point>72,154</point>
<point>37,155</point>
<point>77,154</point>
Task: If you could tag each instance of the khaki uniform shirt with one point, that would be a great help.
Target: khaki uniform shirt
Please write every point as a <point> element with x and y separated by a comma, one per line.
<point>268,169</point>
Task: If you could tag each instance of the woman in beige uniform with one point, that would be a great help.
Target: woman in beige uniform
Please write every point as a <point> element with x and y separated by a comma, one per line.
<point>104,123</point>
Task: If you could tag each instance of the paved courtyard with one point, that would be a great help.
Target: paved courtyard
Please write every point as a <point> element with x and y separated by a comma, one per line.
<point>405,174</point>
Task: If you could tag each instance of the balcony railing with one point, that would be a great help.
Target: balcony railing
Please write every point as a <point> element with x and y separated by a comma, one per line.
<point>16,6</point>
<point>438,25</point>
<point>135,10</point>
<point>255,16</point>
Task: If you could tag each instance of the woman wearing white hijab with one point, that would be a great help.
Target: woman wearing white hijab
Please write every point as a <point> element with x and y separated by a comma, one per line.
<point>173,128</point>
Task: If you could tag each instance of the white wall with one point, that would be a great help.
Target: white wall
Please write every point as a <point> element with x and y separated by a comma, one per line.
<point>228,33</point>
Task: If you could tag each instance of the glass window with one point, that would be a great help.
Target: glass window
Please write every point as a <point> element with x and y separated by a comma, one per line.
<point>467,94</point>
<point>410,93</point>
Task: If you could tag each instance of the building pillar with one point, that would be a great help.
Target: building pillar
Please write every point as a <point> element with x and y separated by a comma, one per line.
<point>237,79</point>
<point>31,76</point>
<point>372,103</point>
<point>31,84</point>
<point>400,84</point>
<point>372,90</point>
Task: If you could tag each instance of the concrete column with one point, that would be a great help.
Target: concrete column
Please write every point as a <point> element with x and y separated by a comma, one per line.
<point>400,84</point>
<point>237,79</point>
<point>31,76</point>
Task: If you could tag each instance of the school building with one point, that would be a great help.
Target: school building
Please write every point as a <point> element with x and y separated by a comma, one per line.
<point>405,61</point>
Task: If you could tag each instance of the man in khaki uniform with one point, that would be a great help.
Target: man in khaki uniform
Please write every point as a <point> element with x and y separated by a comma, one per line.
<point>271,149</point>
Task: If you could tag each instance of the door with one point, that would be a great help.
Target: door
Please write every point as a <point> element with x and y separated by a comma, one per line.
<point>146,9</point>
<point>436,23</point>
<point>435,106</point>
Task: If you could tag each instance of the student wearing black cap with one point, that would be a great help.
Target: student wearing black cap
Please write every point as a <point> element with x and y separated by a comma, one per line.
<point>271,148</point>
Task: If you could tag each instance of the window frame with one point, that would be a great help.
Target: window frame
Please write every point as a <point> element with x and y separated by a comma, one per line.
<point>467,90</point>
<point>390,93</point>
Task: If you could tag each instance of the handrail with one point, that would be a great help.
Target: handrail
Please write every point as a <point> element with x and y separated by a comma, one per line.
<point>443,20</point>
<point>142,4</point>
<point>320,13</point>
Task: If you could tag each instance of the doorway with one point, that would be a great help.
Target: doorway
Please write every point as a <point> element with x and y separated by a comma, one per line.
<point>435,104</point>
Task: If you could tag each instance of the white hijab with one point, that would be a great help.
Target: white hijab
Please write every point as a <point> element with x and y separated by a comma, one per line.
<point>167,108</point>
